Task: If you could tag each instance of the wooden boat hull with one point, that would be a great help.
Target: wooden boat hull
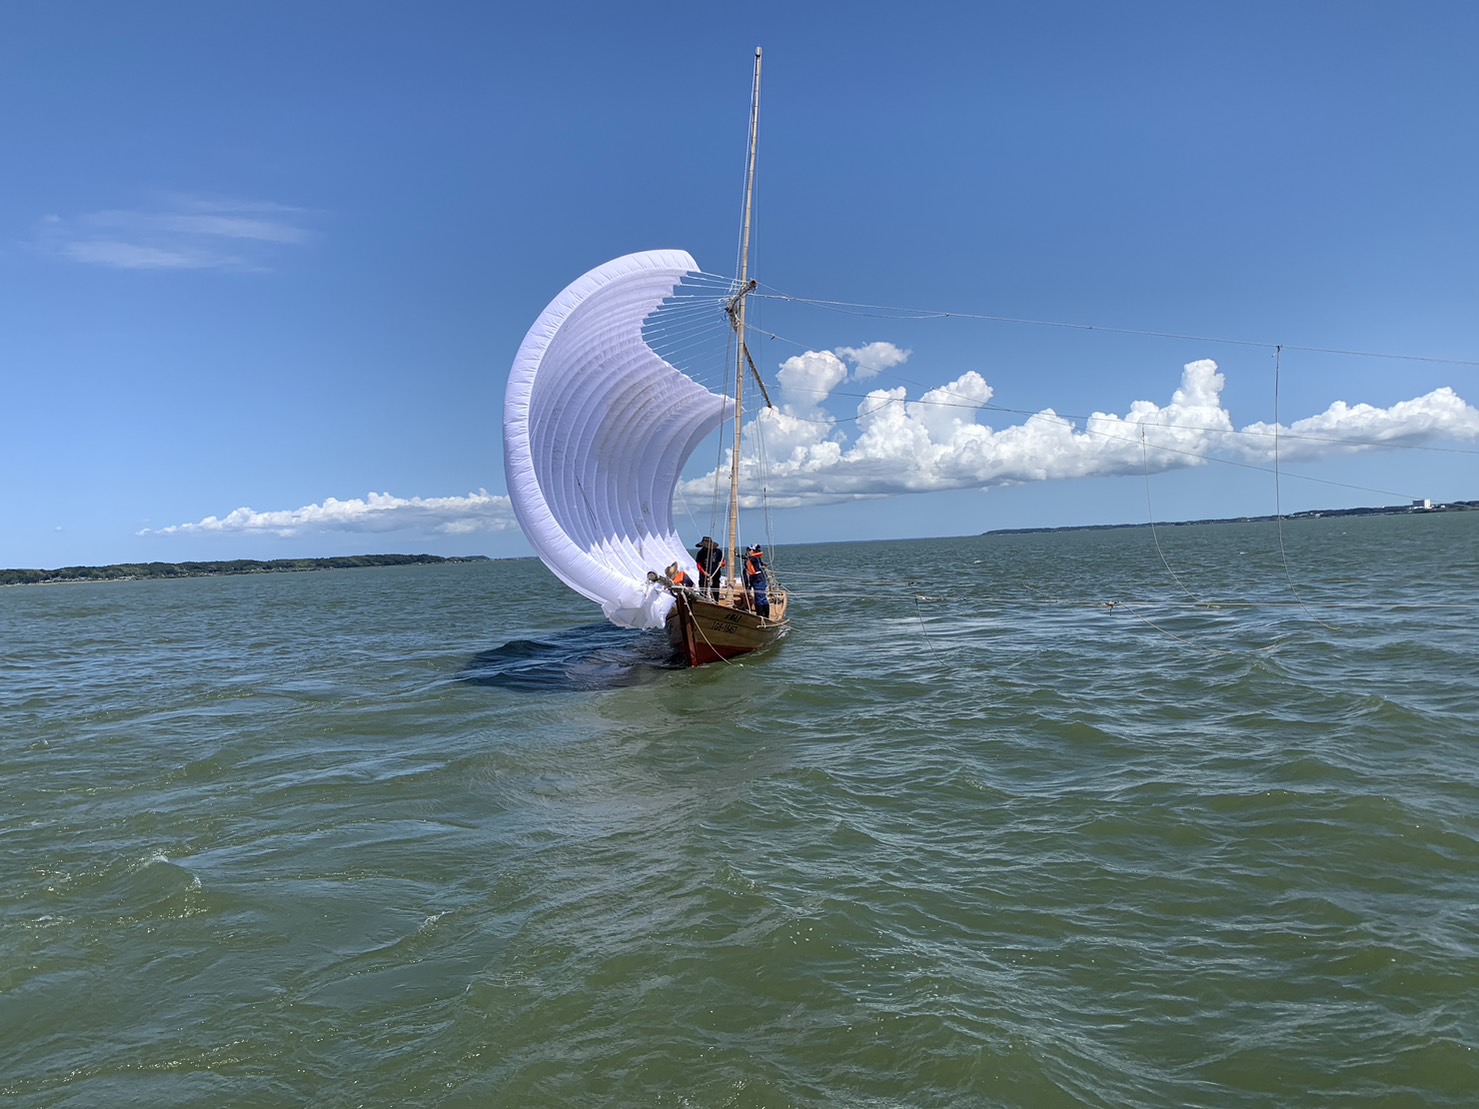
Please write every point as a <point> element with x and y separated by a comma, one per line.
<point>705,631</point>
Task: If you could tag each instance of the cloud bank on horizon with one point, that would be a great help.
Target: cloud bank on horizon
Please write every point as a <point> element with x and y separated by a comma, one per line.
<point>376,513</point>
<point>935,443</point>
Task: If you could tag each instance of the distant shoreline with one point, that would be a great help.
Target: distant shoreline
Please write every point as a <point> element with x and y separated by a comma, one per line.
<point>138,571</point>
<point>1313,514</point>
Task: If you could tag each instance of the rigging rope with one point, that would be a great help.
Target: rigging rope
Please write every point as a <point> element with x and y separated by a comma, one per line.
<point>1278,506</point>
<point>1071,419</point>
<point>1143,602</point>
<point>886,312</point>
<point>1150,514</point>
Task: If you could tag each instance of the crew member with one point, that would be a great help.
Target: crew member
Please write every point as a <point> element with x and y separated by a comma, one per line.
<point>710,561</point>
<point>678,577</point>
<point>755,578</point>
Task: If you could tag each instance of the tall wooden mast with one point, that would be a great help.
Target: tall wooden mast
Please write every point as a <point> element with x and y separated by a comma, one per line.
<point>737,320</point>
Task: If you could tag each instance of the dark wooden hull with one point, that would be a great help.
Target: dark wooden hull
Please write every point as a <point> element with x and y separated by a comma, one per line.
<point>704,631</point>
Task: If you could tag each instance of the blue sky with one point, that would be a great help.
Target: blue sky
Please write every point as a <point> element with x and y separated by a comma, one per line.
<point>262,262</point>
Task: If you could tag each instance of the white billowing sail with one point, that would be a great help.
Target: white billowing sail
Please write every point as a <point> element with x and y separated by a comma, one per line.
<point>596,430</point>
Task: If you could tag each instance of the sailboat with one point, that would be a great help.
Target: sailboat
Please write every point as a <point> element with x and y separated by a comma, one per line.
<point>598,425</point>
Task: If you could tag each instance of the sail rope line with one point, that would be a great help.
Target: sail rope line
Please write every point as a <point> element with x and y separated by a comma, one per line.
<point>713,497</point>
<point>1155,538</point>
<point>1183,640</point>
<point>1072,419</point>
<point>1278,503</point>
<point>695,330</point>
<point>870,587</point>
<point>924,631</point>
<point>1099,602</point>
<point>1091,429</point>
<point>1253,466</point>
<point>691,323</point>
<point>762,466</point>
<point>1150,517</point>
<point>762,456</point>
<point>1276,432</point>
<point>727,661</point>
<point>716,491</point>
<point>687,512</point>
<point>928,314</point>
<point>685,321</point>
<point>1092,426</point>
<point>689,337</point>
<point>1095,428</point>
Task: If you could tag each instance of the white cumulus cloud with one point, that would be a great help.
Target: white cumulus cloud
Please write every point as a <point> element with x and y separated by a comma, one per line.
<point>808,379</point>
<point>1349,428</point>
<point>376,513</point>
<point>939,441</point>
<point>873,359</point>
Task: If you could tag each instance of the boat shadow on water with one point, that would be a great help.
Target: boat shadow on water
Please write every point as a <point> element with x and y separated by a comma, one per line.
<point>578,660</point>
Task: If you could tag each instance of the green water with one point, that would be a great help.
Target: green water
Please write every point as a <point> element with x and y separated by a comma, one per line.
<point>1106,818</point>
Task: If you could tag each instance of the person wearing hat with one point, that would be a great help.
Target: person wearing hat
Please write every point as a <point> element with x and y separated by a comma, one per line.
<point>755,578</point>
<point>710,561</point>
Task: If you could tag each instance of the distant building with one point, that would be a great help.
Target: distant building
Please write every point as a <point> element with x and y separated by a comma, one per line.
<point>1423,505</point>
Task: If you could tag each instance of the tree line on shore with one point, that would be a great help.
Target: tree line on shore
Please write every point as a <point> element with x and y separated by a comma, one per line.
<point>132,571</point>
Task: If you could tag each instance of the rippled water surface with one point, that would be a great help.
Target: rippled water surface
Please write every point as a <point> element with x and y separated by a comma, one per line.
<point>1099,818</point>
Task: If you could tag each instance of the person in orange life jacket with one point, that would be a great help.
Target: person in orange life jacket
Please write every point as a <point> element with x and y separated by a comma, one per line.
<point>678,577</point>
<point>755,578</point>
<point>710,561</point>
